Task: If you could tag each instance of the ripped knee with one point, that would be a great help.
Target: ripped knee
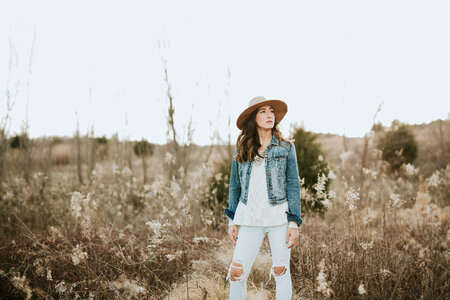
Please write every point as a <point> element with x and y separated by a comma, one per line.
<point>278,271</point>
<point>236,271</point>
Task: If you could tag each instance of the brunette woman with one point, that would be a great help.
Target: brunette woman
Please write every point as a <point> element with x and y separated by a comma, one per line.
<point>264,196</point>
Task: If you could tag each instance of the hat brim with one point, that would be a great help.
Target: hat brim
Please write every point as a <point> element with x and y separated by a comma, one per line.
<point>279,108</point>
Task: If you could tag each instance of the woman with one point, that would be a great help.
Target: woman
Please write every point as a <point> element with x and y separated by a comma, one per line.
<point>264,196</point>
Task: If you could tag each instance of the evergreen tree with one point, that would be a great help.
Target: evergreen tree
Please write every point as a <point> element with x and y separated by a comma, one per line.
<point>398,145</point>
<point>311,164</point>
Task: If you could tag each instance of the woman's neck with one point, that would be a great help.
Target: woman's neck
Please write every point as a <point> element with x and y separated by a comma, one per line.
<point>265,137</point>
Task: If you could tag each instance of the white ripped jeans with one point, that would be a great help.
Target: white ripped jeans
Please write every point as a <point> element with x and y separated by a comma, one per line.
<point>247,247</point>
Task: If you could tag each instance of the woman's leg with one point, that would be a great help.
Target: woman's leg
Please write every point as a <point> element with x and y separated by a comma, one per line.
<point>247,247</point>
<point>281,256</point>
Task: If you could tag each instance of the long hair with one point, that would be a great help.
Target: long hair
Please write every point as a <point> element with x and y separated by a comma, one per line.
<point>248,142</point>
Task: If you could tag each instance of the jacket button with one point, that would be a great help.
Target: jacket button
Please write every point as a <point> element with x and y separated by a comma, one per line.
<point>268,174</point>
<point>270,188</point>
<point>268,159</point>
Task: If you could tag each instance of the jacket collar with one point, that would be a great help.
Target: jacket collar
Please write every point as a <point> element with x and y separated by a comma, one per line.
<point>274,140</point>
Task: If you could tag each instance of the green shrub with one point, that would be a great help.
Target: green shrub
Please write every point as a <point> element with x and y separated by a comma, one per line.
<point>143,148</point>
<point>15,142</point>
<point>102,140</point>
<point>216,197</point>
<point>398,146</point>
<point>311,165</point>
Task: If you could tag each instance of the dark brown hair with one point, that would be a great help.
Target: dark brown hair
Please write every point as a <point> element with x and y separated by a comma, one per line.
<point>248,143</point>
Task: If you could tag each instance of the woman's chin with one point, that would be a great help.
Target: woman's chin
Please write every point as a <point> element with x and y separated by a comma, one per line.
<point>266,126</point>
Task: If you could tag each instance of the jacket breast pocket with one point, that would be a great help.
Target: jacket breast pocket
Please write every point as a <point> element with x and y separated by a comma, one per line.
<point>278,163</point>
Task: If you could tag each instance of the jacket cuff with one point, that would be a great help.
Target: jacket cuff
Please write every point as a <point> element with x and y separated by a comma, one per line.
<point>229,213</point>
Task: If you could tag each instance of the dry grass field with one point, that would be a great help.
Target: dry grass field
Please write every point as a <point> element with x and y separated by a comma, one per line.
<point>384,236</point>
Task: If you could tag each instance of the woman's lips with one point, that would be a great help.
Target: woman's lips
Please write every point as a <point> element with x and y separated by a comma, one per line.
<point>269,121</point>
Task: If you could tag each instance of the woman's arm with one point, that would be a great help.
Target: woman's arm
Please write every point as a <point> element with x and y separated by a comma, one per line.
<point>234,192</point>
<point>293,187</point>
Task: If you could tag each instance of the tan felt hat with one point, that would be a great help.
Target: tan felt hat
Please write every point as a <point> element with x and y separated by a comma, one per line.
<point>279,108</point>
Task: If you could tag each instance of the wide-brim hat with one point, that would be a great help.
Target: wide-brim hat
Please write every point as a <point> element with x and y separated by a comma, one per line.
<point>279,107</point>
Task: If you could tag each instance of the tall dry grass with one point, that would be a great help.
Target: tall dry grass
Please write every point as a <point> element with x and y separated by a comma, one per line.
<point>112,238</point>
<point>392,245</point>
<point>116,237</point>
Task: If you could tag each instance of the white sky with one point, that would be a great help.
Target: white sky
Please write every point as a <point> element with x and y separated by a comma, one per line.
<point>333,62</point>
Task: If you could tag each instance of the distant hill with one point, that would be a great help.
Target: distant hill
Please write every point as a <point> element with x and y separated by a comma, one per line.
<point>433,141</point>
<point>434,145</point>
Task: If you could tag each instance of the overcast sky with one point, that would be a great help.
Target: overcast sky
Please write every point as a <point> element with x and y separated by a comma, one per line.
<point>333,62</point>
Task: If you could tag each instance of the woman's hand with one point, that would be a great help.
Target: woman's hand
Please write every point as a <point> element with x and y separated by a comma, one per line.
<point>233,233</point>
<point>292,236</point>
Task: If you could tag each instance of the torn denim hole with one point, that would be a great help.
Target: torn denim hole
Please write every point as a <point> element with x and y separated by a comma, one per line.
<point>234,266</point>
<point>272,272</point>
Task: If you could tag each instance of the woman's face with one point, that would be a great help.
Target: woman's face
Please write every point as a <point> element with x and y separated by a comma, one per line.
<point>265,117</point>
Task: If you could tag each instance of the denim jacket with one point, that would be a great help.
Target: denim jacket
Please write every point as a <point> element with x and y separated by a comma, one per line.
<point>283,181</point>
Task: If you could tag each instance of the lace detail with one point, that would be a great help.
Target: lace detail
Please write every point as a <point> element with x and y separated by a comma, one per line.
<point>259,160</point>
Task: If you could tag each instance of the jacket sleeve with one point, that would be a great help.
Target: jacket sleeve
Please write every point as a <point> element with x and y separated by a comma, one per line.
<point>293,187</point>
<point>234,192</point>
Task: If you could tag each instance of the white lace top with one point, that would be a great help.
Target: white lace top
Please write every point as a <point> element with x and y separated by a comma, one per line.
<point>258,211</point>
